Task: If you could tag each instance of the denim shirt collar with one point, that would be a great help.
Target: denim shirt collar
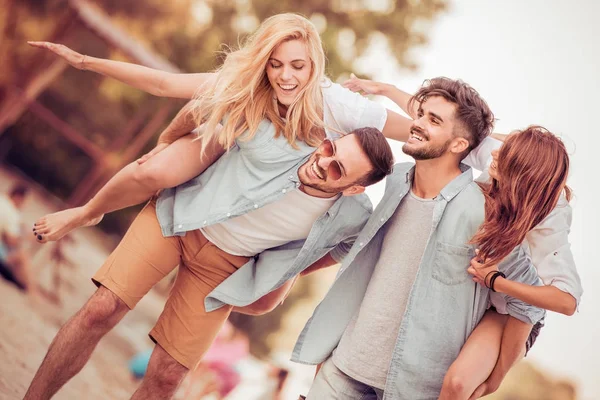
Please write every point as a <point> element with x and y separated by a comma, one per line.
<point>454,187</point>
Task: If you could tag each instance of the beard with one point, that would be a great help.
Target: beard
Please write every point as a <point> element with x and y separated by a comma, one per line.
<point>426,152</point>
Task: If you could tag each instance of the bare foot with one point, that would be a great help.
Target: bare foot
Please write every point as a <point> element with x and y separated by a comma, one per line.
<point>52,227</point>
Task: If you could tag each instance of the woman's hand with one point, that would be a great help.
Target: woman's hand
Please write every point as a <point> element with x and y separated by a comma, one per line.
<point>484,389</point>
<point>72,57</point>
<point>480,271</point>
<point>364,86</point>
<point>159,147</point>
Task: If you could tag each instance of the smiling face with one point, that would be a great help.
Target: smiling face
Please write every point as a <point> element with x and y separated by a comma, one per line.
<point>289,69</point>
<point>335,167</point>
<point>432,133</point>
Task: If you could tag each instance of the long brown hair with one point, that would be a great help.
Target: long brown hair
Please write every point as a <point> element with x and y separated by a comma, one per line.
<point>533,166</point>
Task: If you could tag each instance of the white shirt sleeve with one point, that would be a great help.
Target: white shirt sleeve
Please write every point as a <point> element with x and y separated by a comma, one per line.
<point>480,157</point>
<point>551,251</point>
<point>347,111</point>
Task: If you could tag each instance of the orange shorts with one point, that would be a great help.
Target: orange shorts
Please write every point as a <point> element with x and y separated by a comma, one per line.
<point>184,329</point>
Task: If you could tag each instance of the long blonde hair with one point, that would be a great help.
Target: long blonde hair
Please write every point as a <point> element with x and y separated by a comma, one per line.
<point>241,91</point>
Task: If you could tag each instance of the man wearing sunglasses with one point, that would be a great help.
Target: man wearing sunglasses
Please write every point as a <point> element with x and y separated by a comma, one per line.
<point>403,304</point>
<point>241,231</point>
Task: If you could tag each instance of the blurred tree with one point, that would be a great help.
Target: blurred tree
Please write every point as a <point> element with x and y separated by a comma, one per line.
<point>190,32</point>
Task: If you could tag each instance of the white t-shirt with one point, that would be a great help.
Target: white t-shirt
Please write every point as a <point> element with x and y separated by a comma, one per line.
<point>285,220</point>
<point>10,217</point>
<point>367,345</point>
<point>345,110</point>
<point>547,243</point>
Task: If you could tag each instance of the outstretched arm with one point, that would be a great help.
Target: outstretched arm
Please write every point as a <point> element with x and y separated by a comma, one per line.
<point>396,127</point>
<point>153,81</point>
<point>324,262</point>
<point>366,86</point>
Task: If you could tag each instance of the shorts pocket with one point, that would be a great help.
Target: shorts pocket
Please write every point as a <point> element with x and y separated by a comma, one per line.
<point>451,263</point>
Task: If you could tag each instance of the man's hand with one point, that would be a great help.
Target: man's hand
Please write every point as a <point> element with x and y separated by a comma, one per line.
<point>159,147</point>
<point>363,86</point>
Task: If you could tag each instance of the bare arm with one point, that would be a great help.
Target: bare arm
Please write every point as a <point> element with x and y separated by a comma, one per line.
<point>499,136</point>
<point>547,297</point>
<point>181,125</point>
<point>397,127</point>
<point>324,262</point>
<point>271,300</point>
<point>153,81</point>
<point>400,97</point>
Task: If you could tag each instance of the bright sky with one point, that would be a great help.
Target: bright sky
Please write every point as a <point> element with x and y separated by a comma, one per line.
<point>535,62</point>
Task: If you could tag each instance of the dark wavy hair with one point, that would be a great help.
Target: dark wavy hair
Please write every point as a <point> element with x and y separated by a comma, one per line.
<point>379,152</point>
<point>475,118</point>
<point>533,166</point>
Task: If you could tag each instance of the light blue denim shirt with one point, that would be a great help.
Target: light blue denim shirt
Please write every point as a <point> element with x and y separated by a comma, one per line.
<point>252,174</point>
<point>444,304</point>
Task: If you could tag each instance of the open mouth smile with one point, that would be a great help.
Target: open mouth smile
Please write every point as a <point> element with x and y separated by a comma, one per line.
<point>287,88</point>
<point>316,171</point>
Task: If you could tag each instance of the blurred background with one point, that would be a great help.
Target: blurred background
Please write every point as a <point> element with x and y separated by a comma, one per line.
<point>64,132</point>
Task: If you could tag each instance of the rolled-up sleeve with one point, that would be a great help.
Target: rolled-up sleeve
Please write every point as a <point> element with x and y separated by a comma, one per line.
<point>551,251</point>
<point>342,249</point>
<point>351,110</point>
<point>518,267</point>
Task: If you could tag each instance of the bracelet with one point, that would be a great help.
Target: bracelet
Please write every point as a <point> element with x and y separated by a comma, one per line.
<point>83,62</point>
<point>485,279</point>
<point>493,279</point>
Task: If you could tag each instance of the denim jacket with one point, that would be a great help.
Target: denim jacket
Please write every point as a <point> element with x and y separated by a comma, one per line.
<point>253,173</point>
<point>444,304</point>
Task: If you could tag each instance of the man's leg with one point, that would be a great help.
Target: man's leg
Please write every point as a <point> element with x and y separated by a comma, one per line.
<point>73,345</point>
<point>163,376</point>
<point>185,330</point>
<point>142,259</point>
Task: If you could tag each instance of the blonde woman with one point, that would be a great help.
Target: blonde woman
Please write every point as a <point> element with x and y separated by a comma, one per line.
<point>269,208</point>
<point>276,77</point>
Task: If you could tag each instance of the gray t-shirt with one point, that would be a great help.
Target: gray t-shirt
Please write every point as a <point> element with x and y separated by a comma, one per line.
<point>366,348</point>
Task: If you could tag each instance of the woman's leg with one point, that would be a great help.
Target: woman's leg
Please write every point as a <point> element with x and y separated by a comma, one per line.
<point>476,359</point>
<point>134,184</point>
